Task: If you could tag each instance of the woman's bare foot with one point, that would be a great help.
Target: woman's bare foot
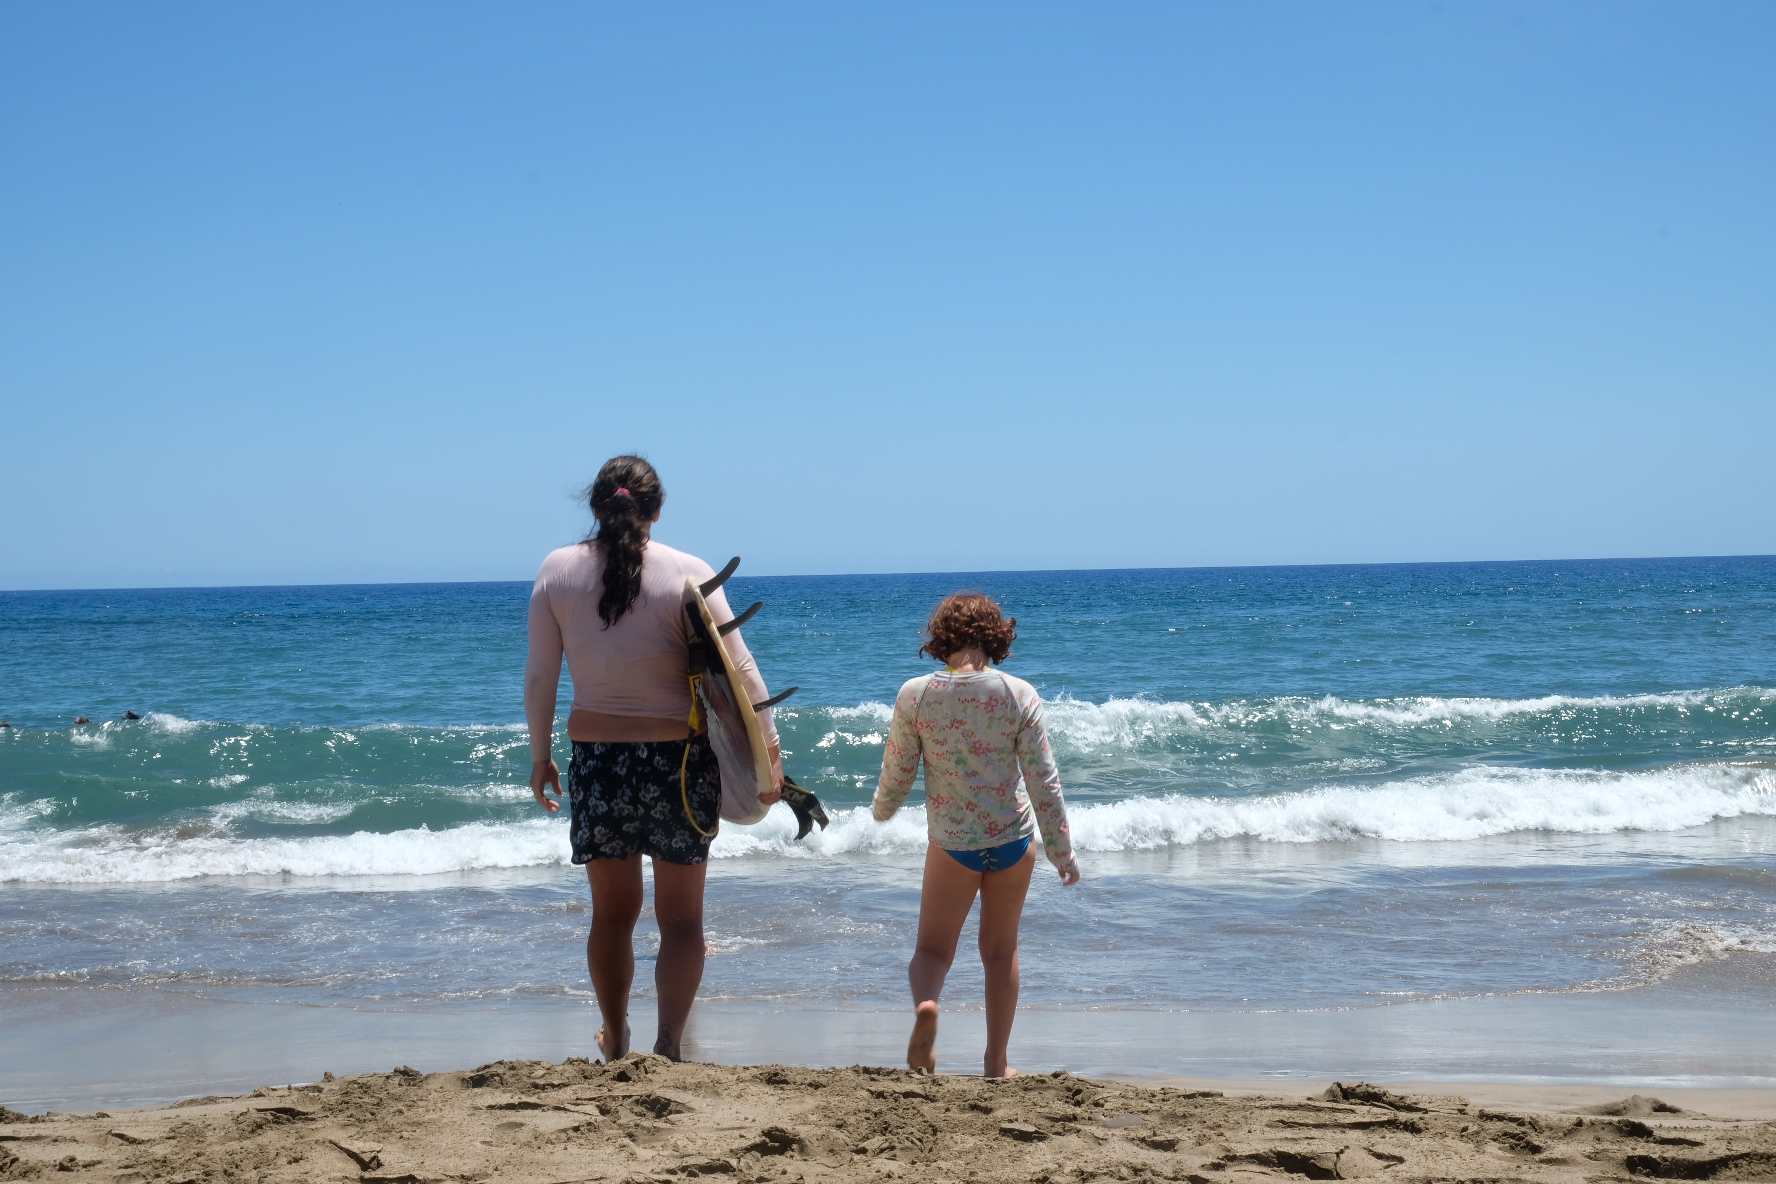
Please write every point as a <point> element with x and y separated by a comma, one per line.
<point>666,1046</point>
<point>609,1052</point>
<point>1004,1071</point>
<point>922,1048</point>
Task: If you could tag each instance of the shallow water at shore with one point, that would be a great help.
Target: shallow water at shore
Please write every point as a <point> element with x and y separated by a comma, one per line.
<point>1237,924</point>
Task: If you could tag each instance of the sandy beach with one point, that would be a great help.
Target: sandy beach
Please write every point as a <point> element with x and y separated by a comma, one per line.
<point>647,1118</point>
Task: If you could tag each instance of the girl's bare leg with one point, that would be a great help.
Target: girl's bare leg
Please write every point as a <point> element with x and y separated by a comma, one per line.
<point>944,902</point>
<point>610,946</point>
<point>1002,908</point>
<point>678,907</point>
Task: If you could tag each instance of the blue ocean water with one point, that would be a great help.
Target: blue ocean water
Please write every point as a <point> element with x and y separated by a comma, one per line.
<point>1292,788</point>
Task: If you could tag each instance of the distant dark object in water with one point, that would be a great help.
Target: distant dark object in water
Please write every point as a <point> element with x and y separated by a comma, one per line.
<point>806,806</point>
<point>131,715</point>
<point>81,720</point>
<point>5,723</point>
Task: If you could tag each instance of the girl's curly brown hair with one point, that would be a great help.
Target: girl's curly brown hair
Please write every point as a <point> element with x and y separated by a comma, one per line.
<point>965,619</point>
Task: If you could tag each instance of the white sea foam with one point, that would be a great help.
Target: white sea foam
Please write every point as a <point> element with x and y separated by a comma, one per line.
<point>161,721</point>
<point>492,791</point>
<point>1469,804</point>
<point>1474,803</point>
<point>872,712</point>
<point>16,810</point>
<point>109,855</point>
<point>272,810</point>
<point>852,832</point>
<point>1428,709</point>
<point>854,739</point>
<point>1122,724</point>
<point>1676,944</point>
<point>465,729</point>
<point>511,742</point>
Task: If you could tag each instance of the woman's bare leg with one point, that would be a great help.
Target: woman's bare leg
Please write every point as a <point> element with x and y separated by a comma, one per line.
<point>678,907</point>
<point>610,946</point>
<point>944,902</point>
<point>1002,908</point>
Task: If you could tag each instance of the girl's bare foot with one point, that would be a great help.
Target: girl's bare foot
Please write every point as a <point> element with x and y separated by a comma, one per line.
<point>922,1048</point>
<point>1004,1071</point>
<point>612,1052</point>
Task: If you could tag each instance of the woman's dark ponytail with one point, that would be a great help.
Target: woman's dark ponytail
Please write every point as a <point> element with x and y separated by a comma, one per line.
<point>624,498</point>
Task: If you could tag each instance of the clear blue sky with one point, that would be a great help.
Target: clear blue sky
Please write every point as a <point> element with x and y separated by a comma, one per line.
<point>311,292</point>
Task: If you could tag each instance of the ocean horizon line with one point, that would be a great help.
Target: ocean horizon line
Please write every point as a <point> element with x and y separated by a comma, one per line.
<point>1020,571</point>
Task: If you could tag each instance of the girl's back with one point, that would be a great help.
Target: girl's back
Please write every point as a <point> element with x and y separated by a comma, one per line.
<point>990,776</point>
<point>982,740</point>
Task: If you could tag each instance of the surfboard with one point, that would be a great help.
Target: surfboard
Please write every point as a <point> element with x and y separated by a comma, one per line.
<point>731,716</point>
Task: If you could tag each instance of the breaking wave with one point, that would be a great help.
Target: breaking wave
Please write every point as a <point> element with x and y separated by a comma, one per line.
<point>1742,715</point>
<point>1467,804</point>
<point>1137,723</point>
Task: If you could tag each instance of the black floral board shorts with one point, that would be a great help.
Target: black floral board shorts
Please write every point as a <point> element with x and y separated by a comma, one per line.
<point>626,800</point>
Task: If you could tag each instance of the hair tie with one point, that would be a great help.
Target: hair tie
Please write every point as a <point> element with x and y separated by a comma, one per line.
<point>621,492</point>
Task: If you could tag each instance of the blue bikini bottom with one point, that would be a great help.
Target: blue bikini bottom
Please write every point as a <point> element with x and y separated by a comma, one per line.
<point>993,859</point>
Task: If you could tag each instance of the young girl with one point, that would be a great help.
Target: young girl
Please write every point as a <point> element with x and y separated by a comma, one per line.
<point>980,733</point>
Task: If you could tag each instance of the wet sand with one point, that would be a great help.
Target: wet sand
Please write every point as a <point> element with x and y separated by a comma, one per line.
<point>646,1118</point>
<point>93,1048</point>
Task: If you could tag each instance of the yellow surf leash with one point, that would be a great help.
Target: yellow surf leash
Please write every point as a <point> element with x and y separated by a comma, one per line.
<point>684,763</point>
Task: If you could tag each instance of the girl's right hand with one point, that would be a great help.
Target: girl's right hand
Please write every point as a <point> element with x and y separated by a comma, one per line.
<point>544,774</point>
<point>1069,874</point>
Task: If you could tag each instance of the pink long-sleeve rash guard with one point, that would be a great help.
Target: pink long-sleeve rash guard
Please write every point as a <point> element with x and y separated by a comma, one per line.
<point>638,666</point>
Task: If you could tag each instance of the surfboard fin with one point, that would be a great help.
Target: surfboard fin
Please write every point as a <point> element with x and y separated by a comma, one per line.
<point>807,807</point>
<point>729,626</point>
<point>779,697</point>
<point>719,578</point>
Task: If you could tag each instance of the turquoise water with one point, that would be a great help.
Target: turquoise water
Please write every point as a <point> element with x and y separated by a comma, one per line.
<point>1292,788</point>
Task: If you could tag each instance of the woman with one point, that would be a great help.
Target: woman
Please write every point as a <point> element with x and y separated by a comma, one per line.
<point>640,783</point>
<point>987,759</point>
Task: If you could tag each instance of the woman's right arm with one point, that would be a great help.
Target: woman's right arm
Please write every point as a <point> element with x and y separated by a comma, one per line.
<point>542,675</point>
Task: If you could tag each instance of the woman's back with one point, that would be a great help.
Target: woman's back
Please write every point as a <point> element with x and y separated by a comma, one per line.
<point>638,666</point>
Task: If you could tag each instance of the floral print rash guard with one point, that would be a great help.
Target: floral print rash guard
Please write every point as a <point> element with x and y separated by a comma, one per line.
<point>984,746</point>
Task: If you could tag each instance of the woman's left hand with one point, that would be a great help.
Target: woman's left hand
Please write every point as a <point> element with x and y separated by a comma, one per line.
<point>542,775</point>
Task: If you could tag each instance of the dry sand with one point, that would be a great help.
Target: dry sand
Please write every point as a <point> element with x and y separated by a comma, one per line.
<point>646,1118</point>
